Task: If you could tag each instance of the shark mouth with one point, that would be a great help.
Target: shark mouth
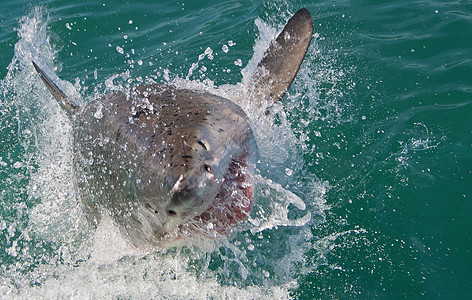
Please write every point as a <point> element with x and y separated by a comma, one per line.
<point>231,205</point>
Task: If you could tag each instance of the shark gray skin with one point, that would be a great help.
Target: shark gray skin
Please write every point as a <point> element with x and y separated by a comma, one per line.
<point>167,163</point>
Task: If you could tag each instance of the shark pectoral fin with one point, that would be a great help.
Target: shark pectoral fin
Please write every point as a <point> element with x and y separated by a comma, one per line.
<point>67,105</point>
<point>279,66</point>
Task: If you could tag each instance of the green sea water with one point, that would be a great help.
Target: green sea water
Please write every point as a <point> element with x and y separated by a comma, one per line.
<point>369,155</point>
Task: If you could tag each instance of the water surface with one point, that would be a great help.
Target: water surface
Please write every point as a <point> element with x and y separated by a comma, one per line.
<point>374,140</point>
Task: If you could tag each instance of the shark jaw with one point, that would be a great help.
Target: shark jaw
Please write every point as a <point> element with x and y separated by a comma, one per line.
<point>231,205</point>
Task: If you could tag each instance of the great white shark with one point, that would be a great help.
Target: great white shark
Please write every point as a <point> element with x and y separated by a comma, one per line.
<point>166,162</point>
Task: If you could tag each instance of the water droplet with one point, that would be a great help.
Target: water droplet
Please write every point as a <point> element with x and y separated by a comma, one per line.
<point>98,114</point>
<point>120,50</point>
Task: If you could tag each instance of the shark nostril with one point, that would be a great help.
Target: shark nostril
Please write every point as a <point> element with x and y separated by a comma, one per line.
<point>171,212</point>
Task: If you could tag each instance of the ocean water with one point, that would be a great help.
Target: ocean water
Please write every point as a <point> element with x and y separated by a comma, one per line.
<point>365,167</point>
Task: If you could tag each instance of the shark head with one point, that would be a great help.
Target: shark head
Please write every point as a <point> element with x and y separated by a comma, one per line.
<point>194,148</point>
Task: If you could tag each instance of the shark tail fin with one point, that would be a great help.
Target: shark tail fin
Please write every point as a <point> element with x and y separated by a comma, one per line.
<point>275,73</point>
<point>63,100</point>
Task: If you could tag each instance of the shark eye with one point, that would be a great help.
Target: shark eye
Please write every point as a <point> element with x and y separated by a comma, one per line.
<point>207,168</point>
<point>204,145</point>
<point>171,212</point>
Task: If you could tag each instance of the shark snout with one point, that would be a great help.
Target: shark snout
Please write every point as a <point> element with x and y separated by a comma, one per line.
<point>192,193</point>
<point>185,204</point>
<point>182,199</point>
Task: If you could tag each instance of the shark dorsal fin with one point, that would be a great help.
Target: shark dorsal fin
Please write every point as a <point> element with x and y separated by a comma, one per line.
<point>275,73</point>
<point>63,100</point>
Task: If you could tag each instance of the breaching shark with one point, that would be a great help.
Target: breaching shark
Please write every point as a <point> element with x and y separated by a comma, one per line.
<point>166,162</point>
